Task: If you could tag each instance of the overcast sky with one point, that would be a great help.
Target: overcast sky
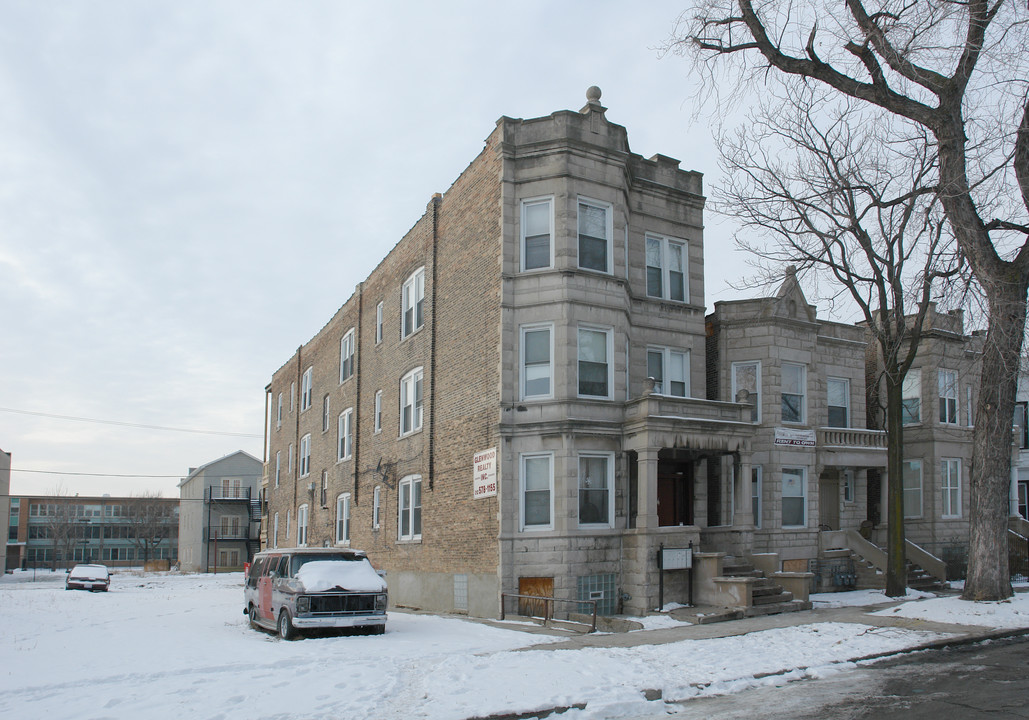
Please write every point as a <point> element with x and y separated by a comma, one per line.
<point>189,190</point>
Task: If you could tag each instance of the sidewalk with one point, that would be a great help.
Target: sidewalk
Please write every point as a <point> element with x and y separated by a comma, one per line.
<point>860,615</point>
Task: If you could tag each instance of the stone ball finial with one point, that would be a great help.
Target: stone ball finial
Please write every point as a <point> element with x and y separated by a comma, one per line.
<point>593,94</point>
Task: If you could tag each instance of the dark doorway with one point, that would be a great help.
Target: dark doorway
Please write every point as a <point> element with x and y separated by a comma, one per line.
<point>674,492</point>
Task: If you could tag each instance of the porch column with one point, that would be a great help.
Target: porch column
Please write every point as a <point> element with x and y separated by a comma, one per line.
<point>646,488</point>
<point>743,490</point>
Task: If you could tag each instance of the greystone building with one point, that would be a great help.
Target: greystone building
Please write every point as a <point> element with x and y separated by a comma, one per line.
<point>526,397</point>
<point>219,523</point>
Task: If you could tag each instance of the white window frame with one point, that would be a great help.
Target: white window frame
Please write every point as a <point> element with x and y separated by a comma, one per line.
<point>278,413</point>
<point>343,519</point>
<point>950,488</point>
<point>289,460</point>
<point>411,386</point>
<point>292,396</point>
<point>802,394</point>
<point>305,455</point>
<point>406,507</point>
<point>913,491</point>
<point>609,360</point>
<point>756,394</point>
<point>376,507</point>
<point>533,203</point>
<point>278,466</point>
<point>378,323</point>
<point>524,366</point>
<point>288,517</point>
<point>911,391</point>
<point>609,480</point>
<point>802,473</point>
<point>325,413</point>
<point>412,298</point>
<point>667,355</point>
<point>306,384</point>
<point>949,410</point>
<point>275,530</point>
<point>846,406</point>
<point>608,209</point>
<point>377,415</point>
<point>345,435</point>
<point>523,490</point>
<point>664,247</point>
<point>849,487</point>
<point>346,356</point>
<point>302,519</point>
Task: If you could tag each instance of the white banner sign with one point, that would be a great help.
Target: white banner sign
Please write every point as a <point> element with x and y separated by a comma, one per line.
<point>787,436</point>
<point>484,474</point>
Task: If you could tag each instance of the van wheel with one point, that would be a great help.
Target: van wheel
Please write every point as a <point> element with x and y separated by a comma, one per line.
<point>286,629</point>
<point>253,616</point>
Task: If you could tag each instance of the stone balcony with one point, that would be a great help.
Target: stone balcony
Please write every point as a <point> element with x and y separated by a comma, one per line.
<point>851,447</point>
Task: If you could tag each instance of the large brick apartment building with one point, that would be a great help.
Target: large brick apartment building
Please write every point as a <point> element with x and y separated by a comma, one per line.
<point>525,396</point>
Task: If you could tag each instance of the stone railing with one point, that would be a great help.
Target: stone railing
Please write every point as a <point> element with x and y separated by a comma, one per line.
<point>851,438</point>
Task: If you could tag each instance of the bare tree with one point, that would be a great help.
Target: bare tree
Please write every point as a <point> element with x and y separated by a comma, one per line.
<point>151,522</point>
<point>828,195</point>
<point>960,70</point>
<point>60,525</point>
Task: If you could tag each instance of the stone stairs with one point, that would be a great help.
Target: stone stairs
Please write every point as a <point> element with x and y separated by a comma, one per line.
<point>871,578</point>
<point>768,597</point>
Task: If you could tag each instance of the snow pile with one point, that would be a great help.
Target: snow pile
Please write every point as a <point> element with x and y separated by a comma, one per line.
<point>860,598</point>
<point>1007,614</point>
<point>351,576</point>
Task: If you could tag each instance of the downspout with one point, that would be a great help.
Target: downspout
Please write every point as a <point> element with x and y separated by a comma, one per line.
<point>357,389</point>
<point>295,402</point>
<point>436,200</point>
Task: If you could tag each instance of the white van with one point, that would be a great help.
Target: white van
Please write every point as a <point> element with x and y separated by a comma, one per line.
<point>291,590</point>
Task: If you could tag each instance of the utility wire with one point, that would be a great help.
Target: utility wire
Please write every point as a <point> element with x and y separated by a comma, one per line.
<point>126,475</point>
<point>128,424</point>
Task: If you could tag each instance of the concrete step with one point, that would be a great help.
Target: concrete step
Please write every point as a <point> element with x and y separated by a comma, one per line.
<point>780,598</point>
<point>784,607</point>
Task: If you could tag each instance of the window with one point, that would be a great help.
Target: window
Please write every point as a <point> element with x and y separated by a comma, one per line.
<point>343,519</point>
<point>912,479</point>
<point>794,384</point>
<point>537,221</point>
<point>325,489</point>
<point>594,235</point>
<point>594,367</point>
<point>848,486</point>
<point>1022,424</point>
<point>376,504</point>
<point>409,522</point>
<point>747,376</point>
<point>670,370</point>
<point>292,396</point>
<point>302,526</point>
<point>325,413</point>
<point>346,356</point>
<point>413,299</point>
<point>537,362</point>
<point>378,410</point>
<point>411,402</point>
<point>911,401</point>
<point>666,268</point>
<point>950,484</point>
<point>345,434</point>
<point>794,498</point>
<point>278,466</point>
<point>278,413</point>
<point>537,491</point>
<point>287,525</point>
<point>596,483</point>
<point>305,389</point>
<point>305,455</point>
<point>838,392</point>
<point>289,458</point>
<point>755,494</point>
<point>948,381</point>
<point>378,323</point>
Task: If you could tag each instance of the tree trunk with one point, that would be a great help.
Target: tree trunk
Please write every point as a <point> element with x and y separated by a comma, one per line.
<point>988,577</point>
<point>896,562</point>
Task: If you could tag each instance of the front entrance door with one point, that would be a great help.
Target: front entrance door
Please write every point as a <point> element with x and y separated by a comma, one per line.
<point>540,587</point>
<point>674,493</point>
<point>829,501</point>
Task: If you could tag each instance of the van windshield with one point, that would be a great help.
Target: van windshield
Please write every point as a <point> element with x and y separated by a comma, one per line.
<point>299,560</point>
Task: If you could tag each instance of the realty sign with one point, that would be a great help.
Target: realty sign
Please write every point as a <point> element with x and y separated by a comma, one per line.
<point>484,474</point>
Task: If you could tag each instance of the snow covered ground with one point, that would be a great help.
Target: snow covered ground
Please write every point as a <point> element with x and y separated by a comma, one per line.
<point>174,646</point>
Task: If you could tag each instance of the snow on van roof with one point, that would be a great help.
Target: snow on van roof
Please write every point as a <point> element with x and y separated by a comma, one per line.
<point>326,575</point>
